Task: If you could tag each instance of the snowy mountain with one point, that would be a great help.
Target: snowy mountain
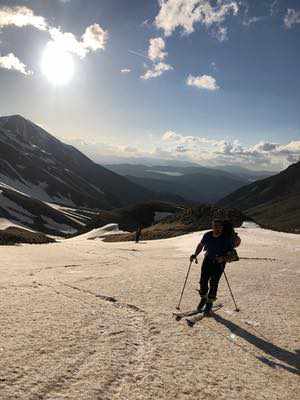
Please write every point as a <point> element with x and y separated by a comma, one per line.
<point>39,165</point>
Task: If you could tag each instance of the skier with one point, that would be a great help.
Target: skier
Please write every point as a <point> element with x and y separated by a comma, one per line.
<point>218,244</point>
<point>138,232</point>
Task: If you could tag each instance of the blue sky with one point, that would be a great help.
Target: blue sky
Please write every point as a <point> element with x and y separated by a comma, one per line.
<point>214,82</point>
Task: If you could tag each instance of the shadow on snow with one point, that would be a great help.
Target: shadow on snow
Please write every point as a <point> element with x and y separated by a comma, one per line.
<point>291,359</point>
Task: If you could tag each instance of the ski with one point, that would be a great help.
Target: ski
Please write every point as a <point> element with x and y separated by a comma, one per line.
<point>198,317</point>
<point>191,321</point>
<point>180,315</point>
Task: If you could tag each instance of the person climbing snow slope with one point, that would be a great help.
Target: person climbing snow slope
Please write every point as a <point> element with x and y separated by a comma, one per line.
<point>218,244</point>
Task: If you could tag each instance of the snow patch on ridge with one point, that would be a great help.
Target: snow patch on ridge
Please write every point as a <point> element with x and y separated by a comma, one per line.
<point>16,211</point>
<point>34,191</point>
<point>249,225</point>
<point>5,223</point>
<point>56,226</point>
<point>109,229</point>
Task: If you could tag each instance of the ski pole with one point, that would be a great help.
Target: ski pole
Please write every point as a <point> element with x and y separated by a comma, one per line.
<point>186,278</point>
<point>236,307</point>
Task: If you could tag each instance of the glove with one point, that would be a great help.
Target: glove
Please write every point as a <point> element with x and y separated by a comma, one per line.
<point>193,257</point>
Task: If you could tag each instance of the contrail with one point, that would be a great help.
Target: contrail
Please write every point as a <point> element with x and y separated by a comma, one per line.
<point>139,54</point>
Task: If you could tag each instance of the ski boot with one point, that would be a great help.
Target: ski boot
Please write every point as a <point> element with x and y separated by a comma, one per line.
<point>202,304</point>
<point>208,309</point>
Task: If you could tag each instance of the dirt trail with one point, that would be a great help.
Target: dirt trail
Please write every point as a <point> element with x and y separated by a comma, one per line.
<point>91,320</point>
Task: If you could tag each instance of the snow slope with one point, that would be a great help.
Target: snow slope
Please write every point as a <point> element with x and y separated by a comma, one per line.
<point>84,320</point>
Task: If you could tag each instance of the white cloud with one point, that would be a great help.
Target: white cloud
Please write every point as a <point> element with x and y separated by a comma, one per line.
<point>125,71</point>
<point>262,153</point>
<point>157,70</point>
<point>162,153</point>
<point>293,146</point>
<point>266,146</point>
<point>156,49</point>
<point>12,62</point>
<point>249,20</point>
<point>20,17</point>
<point>181,148</point>
<point>157,55</point>
<point>67,42</point>
<point>203,149</point>
<point>220,33</point>
<point>206,82</point>
<point>130,149</point>
<point>252,20</point>
<point>100,152</point>
<point>171,136</point>
<point>93,39</point>
<point>185,14</point>
<point>291,18</point>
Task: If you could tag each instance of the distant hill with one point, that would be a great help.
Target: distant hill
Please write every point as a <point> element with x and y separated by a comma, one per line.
<point>273,202</point>
<point>245,173</point>
<point>196,184</point>
<point>39,165</point>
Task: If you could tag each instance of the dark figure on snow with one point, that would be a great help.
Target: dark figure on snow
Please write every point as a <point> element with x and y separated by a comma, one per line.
<point>218,244</point>
<point>138,232</point>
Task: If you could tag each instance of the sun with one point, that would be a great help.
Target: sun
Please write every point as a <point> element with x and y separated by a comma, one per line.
<point>57,64</point>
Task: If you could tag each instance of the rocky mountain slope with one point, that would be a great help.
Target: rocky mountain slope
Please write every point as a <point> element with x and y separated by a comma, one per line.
<point>24,211</point>
<point>273,202</point>
<point>52,188</point>
<point>39,165</point>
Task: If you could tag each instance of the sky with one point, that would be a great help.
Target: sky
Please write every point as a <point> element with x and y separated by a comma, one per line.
<point>209,81</point>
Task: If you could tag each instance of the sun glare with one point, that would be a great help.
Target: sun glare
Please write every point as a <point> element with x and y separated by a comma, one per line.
<point>57,64</point>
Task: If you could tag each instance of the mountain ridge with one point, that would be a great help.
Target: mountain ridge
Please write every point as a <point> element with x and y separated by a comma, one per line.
<point>273,202</point>
<point>197,184</point>
<point>38,164</point>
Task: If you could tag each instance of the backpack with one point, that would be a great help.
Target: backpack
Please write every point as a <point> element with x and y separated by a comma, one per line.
<point>232,255</point>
